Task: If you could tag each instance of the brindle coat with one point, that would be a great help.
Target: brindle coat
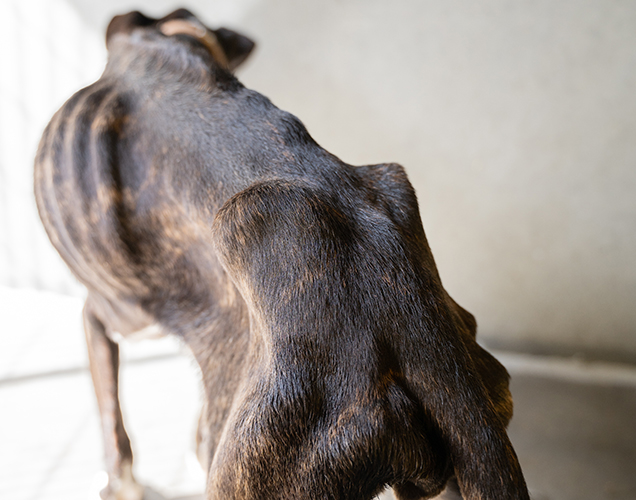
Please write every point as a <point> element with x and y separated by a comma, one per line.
<point>333,360</point>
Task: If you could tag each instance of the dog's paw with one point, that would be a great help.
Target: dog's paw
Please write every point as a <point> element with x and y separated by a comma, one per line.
<point>127,491</point>
<point>124,487</point>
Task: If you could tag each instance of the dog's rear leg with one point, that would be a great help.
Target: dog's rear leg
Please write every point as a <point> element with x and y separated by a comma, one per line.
<point>103,356</point>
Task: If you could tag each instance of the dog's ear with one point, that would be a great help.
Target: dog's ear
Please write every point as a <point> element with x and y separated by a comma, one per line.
<point>236,46</point>
<point>125,23</point>
<point>179,14</point>
<point>228,47</point>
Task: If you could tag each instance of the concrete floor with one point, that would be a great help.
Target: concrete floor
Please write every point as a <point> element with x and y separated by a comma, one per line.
<point>575,437</point>
<point>574,427</point>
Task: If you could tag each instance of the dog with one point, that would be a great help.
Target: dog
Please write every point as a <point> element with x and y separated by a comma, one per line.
<point>334,363</point>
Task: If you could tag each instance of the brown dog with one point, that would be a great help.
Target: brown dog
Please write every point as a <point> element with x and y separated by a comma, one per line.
<point>333,360</point>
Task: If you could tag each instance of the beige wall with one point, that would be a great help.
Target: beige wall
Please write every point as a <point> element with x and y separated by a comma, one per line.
<point>516,122</point>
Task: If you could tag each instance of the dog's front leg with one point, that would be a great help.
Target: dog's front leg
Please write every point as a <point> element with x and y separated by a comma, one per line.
<point>103,356</point>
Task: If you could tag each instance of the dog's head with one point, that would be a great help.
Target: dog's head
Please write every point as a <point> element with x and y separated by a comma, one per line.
<point>228,48</point>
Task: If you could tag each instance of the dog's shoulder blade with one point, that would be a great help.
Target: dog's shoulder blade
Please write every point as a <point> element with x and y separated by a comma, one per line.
<point>287,221</point>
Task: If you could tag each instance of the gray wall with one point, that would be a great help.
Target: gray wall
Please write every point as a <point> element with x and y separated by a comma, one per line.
<point>516,122</point>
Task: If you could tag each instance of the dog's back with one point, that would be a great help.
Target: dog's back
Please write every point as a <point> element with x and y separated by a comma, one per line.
<point>333,360</point>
